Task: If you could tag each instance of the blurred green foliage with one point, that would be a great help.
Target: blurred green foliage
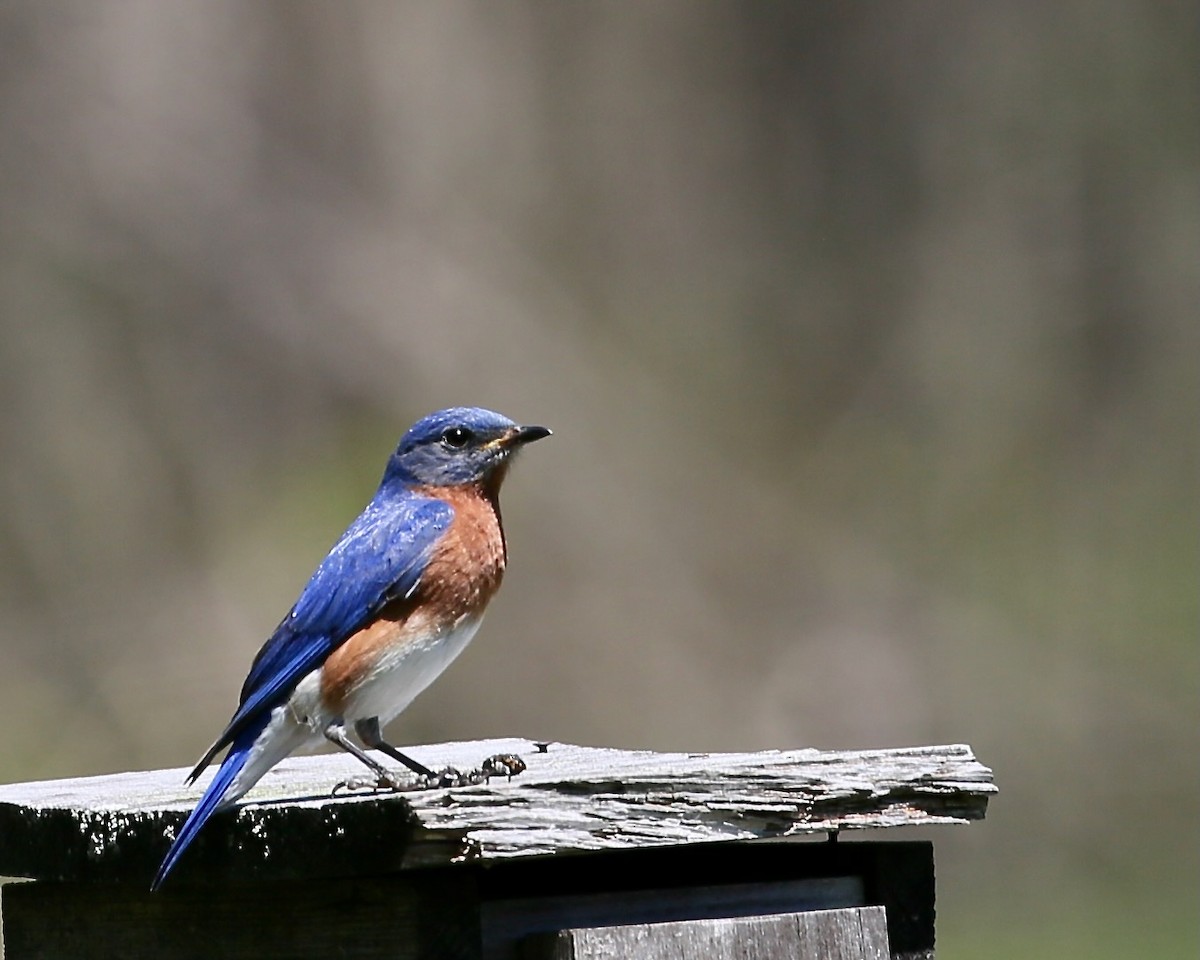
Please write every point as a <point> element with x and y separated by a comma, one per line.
<point>868,334</point>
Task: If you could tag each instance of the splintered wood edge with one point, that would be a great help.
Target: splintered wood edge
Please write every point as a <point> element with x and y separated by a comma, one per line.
<point>569,799</point>
<point>677,799</point>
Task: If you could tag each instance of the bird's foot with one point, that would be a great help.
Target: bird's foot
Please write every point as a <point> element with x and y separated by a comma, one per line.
<point>499,765</point>
<point>446,777</point>
<point>378,784</point>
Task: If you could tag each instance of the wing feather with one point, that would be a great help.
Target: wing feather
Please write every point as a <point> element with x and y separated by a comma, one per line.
<point>380,557</point>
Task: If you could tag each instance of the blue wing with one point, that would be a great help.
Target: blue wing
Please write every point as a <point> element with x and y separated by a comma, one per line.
<point>379,558</point>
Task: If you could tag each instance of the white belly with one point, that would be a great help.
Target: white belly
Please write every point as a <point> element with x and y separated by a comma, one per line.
<point>394,682</point>
<point>401,673</point>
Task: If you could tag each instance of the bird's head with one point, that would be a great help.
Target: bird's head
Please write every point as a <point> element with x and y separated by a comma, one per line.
<point>456,446</point>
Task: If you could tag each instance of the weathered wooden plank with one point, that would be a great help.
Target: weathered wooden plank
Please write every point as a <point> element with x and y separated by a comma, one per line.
<point>570,799</point>
<point>433,914</point>
<point>474,911</point>
<point>848,934</point>
<point>510,921</point>
<point>533,895</point>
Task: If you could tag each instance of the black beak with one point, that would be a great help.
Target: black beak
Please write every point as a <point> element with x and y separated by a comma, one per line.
<point>525,435</point>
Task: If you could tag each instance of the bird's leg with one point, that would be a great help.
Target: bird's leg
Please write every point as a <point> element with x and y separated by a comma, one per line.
<point>336,733</point>
<point>369,733</point>
<point>501,765</point>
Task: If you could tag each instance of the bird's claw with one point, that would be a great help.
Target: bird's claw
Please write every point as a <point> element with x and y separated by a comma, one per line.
<point>501,764</point>
<point>374,784</point>
<point>498,765</point>
<point>446,777</point>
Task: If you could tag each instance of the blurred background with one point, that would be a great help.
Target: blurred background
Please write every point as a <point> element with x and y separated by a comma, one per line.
<point>867,332</point>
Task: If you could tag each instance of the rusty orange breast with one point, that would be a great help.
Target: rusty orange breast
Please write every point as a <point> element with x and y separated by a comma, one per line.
<point>464,572</point>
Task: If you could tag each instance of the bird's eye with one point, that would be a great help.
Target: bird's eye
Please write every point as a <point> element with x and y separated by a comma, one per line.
<point>457,437</point>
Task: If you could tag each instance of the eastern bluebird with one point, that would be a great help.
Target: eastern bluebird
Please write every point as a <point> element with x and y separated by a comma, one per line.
<point>397,598</point>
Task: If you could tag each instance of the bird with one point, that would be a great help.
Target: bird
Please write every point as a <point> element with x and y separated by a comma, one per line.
<point>395,601</point>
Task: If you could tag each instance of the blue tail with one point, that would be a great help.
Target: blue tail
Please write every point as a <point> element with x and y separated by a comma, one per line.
<point>234,760</point>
